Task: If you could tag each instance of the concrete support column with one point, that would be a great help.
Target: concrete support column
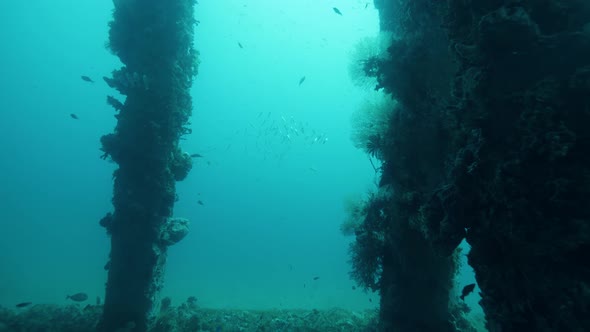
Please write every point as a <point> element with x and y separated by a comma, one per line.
<point>154,41</point>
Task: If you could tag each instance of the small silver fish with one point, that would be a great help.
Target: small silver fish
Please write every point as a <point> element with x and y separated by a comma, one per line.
<point>337,11</point>
<point>301,80</point>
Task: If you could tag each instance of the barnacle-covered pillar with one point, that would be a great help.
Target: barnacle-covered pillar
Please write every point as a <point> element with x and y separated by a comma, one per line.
<point>392,252</point>
<point>520,181</point>
<point>499,157</point>
<point>154,41</point>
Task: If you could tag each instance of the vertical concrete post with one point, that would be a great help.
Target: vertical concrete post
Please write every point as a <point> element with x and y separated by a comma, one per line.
<point>154,41</point>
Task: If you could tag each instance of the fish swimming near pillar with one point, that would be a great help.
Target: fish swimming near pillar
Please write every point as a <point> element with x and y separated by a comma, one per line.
<point>467,290</point>
<point>78,297</point>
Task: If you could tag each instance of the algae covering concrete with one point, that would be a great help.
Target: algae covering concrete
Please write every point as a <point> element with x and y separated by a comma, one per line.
<point>391,253</point>
<point>488,142</point>
<point>154,41</point>
<point>519,182</point>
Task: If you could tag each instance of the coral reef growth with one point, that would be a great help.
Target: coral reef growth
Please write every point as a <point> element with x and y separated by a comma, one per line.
<point>392,253</point>
<point>366,57</point>
<point>519,181</point>
<point>356,211</point>
<point>174,230</point>
<point>370,245</point>
<point>371,121</point>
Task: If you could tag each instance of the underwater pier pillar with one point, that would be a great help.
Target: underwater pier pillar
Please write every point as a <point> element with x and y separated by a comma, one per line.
<point>154,41</point>
<point>415,278</point>
<point>510,170</point>
<point>523,170</point>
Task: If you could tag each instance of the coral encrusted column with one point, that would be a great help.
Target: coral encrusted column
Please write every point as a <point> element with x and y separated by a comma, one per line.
<point>154,41</point>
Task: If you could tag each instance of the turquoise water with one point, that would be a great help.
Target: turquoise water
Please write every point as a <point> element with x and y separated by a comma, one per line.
<point>272,205</point>
<point>272,201</point>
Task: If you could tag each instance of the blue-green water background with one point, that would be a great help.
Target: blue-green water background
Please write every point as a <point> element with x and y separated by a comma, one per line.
<point>270,217</point>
